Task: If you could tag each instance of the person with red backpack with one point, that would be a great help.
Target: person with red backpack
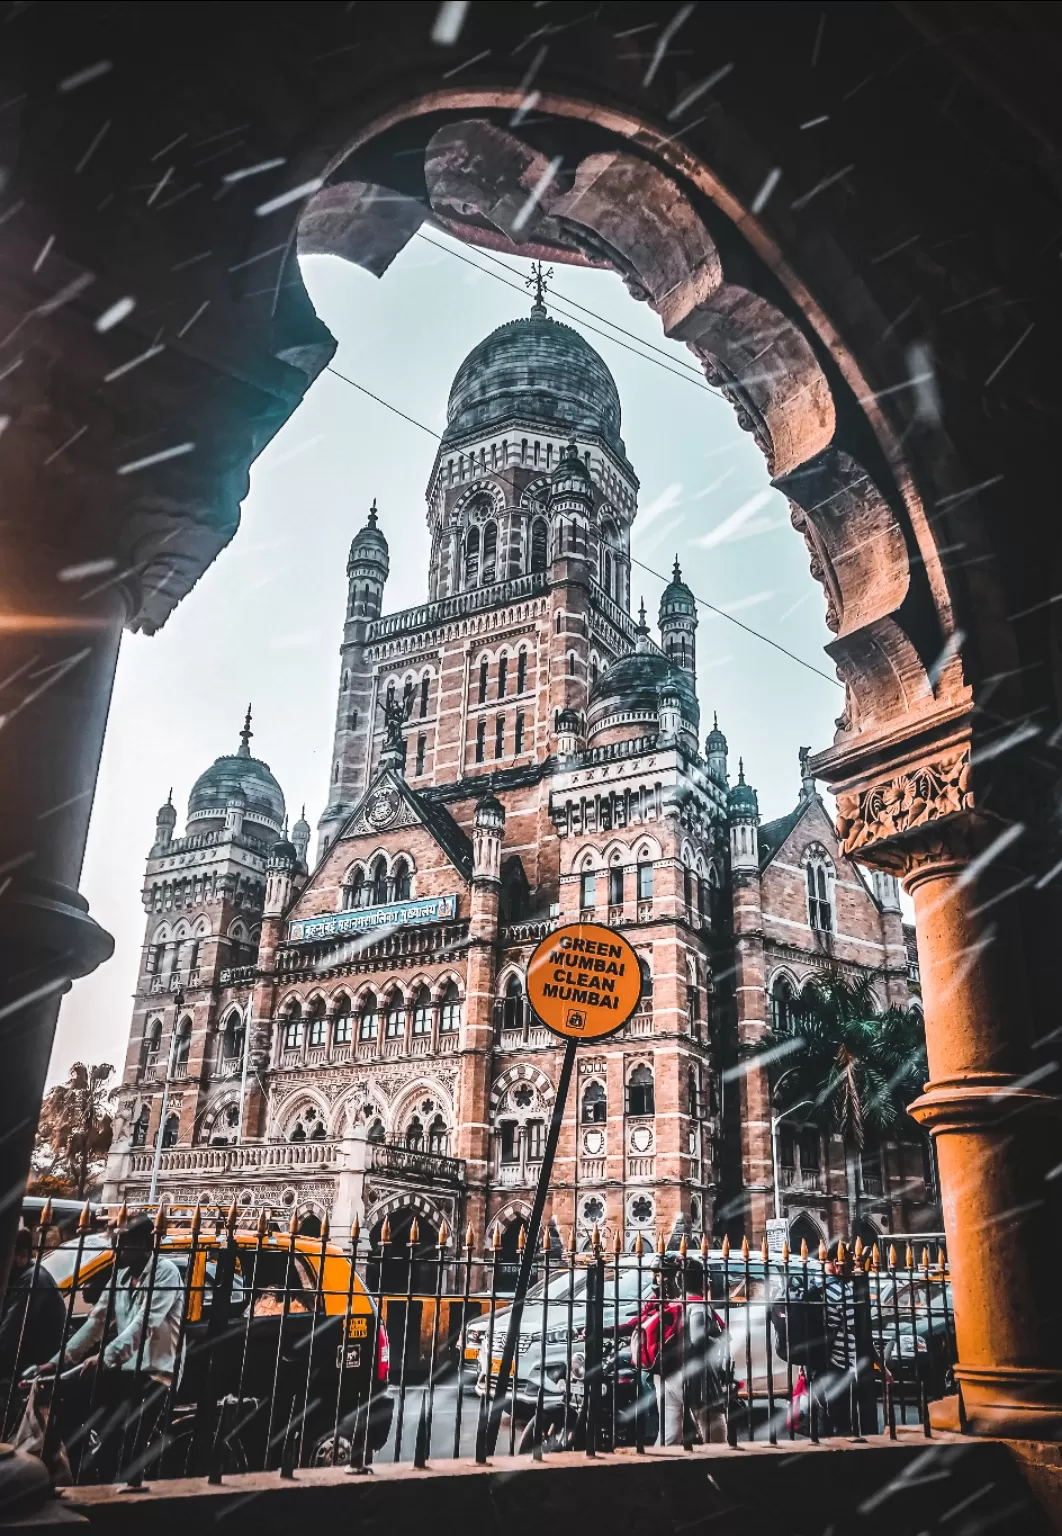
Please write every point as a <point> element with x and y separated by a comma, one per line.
<point>673,1341</point>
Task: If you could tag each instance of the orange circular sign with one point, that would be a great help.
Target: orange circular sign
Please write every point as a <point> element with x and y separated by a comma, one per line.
<point>584,981</point>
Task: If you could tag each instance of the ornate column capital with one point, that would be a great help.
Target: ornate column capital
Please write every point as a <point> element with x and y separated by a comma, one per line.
<point>918,815</point>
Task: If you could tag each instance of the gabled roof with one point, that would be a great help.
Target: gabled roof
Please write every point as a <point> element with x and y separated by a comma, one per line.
<point>773,834</point>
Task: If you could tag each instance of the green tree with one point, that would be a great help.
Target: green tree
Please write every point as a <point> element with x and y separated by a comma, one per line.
<point>853,1067</point>
<point>74,1132</point>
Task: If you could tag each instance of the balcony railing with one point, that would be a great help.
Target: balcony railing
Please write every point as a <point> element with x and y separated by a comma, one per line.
<point>270,1156</point>
<point>410,1162</point>
<point>345,954</point>
<point>237,975</point>
<point>808,1180</point>
<point>427,615</point>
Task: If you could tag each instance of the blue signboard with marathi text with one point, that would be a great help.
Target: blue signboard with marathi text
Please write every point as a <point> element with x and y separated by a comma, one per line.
<point>397,914</point>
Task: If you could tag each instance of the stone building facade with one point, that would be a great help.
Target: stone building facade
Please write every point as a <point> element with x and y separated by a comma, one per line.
<point>350,1034</point>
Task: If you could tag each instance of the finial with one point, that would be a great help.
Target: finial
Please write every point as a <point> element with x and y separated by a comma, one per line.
<point>641,616</point>
<point>715,719</point>
<point>676,573</point>
<point>245,736</point>
<point>169,797</point>
<point>741,770</point>
<point>302,813</point>
<point>373,514</point>
<point>539,280</point>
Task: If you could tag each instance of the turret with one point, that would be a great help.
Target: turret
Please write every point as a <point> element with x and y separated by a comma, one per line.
<point>571,500</point>
<point>487,843</point>
<point>678,623</point>
<point>300,837</point>
<point>367,570</point>
<point>235,806</point>
<point>569,734</point>
<point>280,872</point>
<point>744,817</point>
<point>670,715</point>
<point>165,821</point>
<point>715,751</point>
<point>887,890</point>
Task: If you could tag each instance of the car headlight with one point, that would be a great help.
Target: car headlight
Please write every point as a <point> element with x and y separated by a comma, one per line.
<point>578,1366</point>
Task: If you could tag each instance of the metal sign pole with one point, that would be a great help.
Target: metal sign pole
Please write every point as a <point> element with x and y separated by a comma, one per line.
<point>527,1263</point>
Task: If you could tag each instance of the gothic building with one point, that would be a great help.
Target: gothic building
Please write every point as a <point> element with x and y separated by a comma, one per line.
<point>351,1034</point>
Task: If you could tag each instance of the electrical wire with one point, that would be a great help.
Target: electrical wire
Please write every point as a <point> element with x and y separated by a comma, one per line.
<point>721,612</point>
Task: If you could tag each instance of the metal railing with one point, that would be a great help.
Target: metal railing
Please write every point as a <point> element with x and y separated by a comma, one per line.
<point>270,1349</point>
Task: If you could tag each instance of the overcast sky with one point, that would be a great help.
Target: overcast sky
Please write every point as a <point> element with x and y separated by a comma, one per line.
<point>265,622</point>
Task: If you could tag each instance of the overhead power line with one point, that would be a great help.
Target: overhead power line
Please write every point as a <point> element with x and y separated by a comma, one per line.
<point>721,612</point>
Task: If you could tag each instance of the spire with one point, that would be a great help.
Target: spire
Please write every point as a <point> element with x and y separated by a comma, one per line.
<point>741,770</point>
<point>373,515</point>
<point>642,624</point>
<point>539,279</point>
<point>169,797</point>
<point>676,573</point>
<point>715,719</point>
<point>245,736</point>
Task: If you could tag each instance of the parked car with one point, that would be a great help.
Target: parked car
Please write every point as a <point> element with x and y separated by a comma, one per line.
<point>267,1333</point>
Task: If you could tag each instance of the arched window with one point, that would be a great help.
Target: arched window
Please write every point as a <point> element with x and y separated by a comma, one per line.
<point>538,545</point>
<point>152,1043</point>
<point>513,1004</point>
<point>438,1137</point>
<point>415,1135</point>
<point>341,1029</point>
<point>395,1022</point>
<point>484,673</point>
<point>450,1010</point>
<point>588,889</point>
<point>693,1092</point>
<point>379,882</point>
<point>170,1131</point>
<point>595,1104</point>
<point>503,675</point>
<point>593,670</point>
<point>425,686</point>
<point>472,557</point>
<point>606,572</point>
<point>781,1005</point>
<point>232,1037</point>
<point>646,999</point>
<point>571,663</point>
<point>316,1036</point>
<point>293,1029</point>
<point>490,551</point>
<point>376,1130</point>
<point>422,1012</point>
<point>641,1098</point>
<point>615,885</point>
<point>521,671</point>
<point>367,1018</point>
<point>357,889</point>
<point>820,911</point>
<point>140,1127</point>
<point>182,1047</point>
<point>403,881</point>
<point>645,880</point>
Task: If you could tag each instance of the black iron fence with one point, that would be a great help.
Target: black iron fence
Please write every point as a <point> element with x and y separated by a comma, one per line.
<point>189,1343</point>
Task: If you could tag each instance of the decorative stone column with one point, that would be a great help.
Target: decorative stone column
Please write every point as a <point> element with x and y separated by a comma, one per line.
<point>477,1032</point>
<point>998,1132</point>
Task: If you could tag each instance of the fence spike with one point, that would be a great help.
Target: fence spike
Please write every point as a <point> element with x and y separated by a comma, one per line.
<point>160,1225</point>
<point>942,1258</point>
<point>704,1245</point>
<point>196,1222</point>
<point>571,1241</point>
<point>785,1251</point>
<point>744,1247</point>
<point>232,1216</point>
<point>123,1215</point>
<point>857,1251</point>
<point>414,1232</point>
<point>660,1242</point>
<point>263,1223</point>
<point>684,1247</point>
<point>355,1233</point>
<point>325,1228</point>
<point>726,1245</point>
<point>822,1250</point>
<point>595,1239</point>
<point>639,1246</point>
<point>803,1249</point>
<point>293,1224</point>
<point>444,1235</point>
<point>892,1256</point>
<point>470,1237</point>
<point>875,1257</point>
<point>908,1258</point>
<point>764,1249</point>
<point>84,1221</point>
<point>496,1235</point>
<point>521,1239</point>
<point>925,1259</point>
<point>385,1231</point>
<point>617,1243</point>
<point>46,1214</point>
<point>842,1255</point>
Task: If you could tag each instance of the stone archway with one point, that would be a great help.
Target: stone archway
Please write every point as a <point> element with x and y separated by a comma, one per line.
<point>828,256</point>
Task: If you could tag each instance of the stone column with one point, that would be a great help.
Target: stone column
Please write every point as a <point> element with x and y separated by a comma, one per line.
<point>998,1132</point>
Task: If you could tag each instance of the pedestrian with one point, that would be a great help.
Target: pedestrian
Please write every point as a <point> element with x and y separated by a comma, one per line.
<point>673,1341</point>
<point>845,1389</point>
<point>31,1326</point>
<point>121,1393</point>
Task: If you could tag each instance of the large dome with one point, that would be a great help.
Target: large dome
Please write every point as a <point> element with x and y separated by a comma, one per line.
<point>539,370</point>
<point>628,696</point>
<point>225,780</point>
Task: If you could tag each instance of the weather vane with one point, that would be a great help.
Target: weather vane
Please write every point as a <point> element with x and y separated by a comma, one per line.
<point>539,280</point>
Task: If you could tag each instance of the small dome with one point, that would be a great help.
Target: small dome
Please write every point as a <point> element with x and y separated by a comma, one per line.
<point>369,543</point>
<point>636,686</point>
<point>301,830</point>
<point>571,477</point>
<point>490,812</point>
<point>166,815</point>
<point>678,600</point>
<point>229,777</point>
<point>536,370</point>
<point>236,796</point>
<point>283,852</point>
<point>742,798</point>
<point>715,741</point>
<point>568,722</point>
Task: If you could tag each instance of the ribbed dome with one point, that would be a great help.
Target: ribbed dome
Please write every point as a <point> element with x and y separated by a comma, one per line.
<point>742,799</point>
<point>229,777</point>
<point>677,598</point>
<point>369,543</point>
<point>715,741</point>
<point>539,370</point>
<point>637,685</point>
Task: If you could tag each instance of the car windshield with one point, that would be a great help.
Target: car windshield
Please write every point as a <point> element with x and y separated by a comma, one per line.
<point>60,1262</point>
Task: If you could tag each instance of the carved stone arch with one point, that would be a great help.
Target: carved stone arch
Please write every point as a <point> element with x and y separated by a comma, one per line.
<point>783,973</point>
<point>182,930</point>
<point>615,852</point>
<point>366,989</point>
<point>201,928</point>
<point>217,1112</point>
<point>505,975</point>
<point>347,1110</point>
<point>521,1072</point>
<point>587,851</point>
<point>404,1103</point>
<point>513,1210</point>
<point>443,981</point>
<point>633,1062</point>
<point>290,1000</point>
<point>286,1110</point>
<point>646,849</point>
<point>336,998</point>
<point>423,1205</point>
<point>238,929</point>
<point>818,853</point>
<point>161,934</point>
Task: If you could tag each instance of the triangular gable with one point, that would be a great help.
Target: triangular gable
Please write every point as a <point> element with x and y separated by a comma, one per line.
<point>773,835</point>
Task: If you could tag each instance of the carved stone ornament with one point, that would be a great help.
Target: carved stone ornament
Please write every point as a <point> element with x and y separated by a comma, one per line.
<point>926,793</point>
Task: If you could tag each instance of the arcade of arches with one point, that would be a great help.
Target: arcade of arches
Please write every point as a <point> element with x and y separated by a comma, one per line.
<point>877,313</point>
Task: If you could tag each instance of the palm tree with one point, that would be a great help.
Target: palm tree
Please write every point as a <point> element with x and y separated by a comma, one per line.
<point>74,1131</point>
<point>855,1067</point>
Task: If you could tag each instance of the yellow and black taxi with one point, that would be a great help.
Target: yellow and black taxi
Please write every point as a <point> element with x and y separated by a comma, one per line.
<point>280,1341</point>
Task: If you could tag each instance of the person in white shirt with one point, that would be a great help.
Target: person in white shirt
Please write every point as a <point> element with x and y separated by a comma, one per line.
<point>123,1399</point>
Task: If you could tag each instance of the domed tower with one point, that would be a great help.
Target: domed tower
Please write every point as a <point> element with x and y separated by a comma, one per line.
<point>678,624</point>
<point>570,503</point>
<point>715,750</point>
<point>165,821</point>
<point>368,567</point>
<point>280,874</point>
<point>744,817</point>
<point>240,783</point>
<point>300,836</point>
